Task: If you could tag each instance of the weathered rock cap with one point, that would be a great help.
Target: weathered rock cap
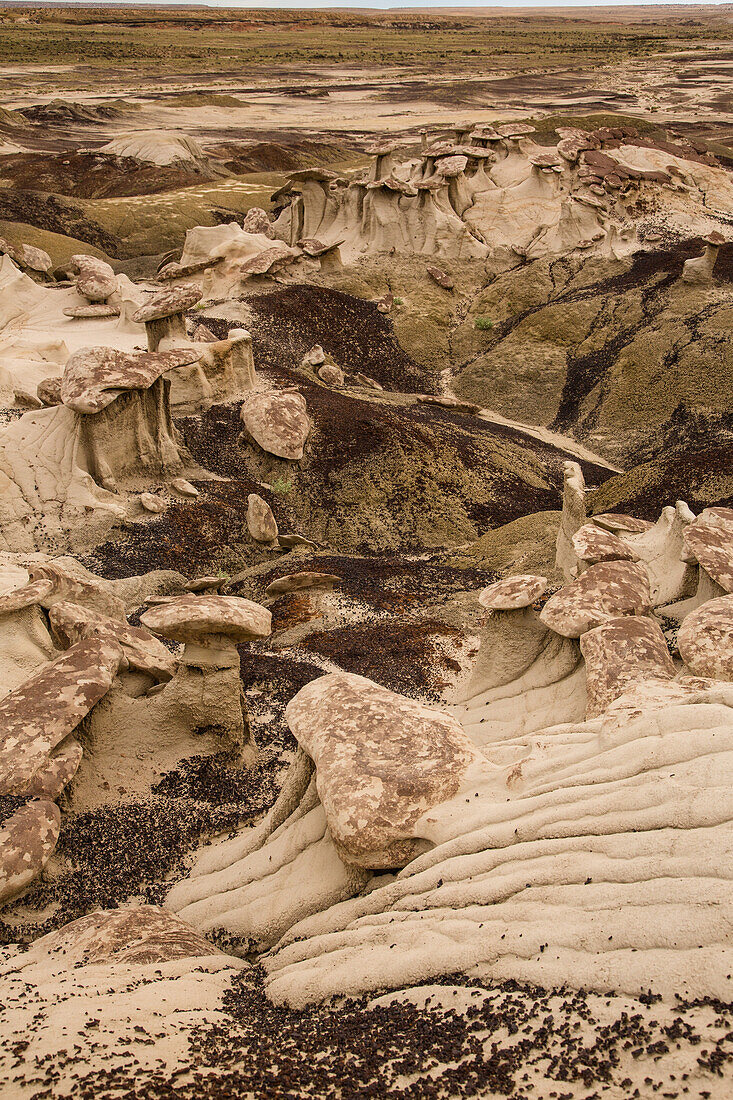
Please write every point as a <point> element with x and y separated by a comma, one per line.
<point>382,761</point>
<point>618,522</point>
<point>714,238</point>
<point>71,623</point>
<point>133,934</point>
<point>196,618</point>
<point>28,595</point>
<point>95,377</point>
<point>705,639</point>
<point>168,302</point>
<point>38,715</point>
<point>96,279</point>
<point>515,129</point>
<point>513,592</point>
<point>619,653</point>
<point>292,582</point>
<point>593,544</point>
<point>604,591</point>
<point>27,840</point>
<point>709,541</point>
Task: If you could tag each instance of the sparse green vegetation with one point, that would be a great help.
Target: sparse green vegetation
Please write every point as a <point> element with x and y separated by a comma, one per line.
<point>484,324</point>
<point>281,486</point>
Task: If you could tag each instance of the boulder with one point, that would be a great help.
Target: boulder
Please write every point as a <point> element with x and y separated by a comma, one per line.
<point>619,654</point>
<point>209,626</point>
<point>592,544</point>
<point>705,639</point>
<point>71,623</point>
<point>331,375</point>
<point>293,582</point>
<point>513,592</point>
<point>382,761</point>
<point>278,421</point>
<point>261,522</point>
<point>96,279</point>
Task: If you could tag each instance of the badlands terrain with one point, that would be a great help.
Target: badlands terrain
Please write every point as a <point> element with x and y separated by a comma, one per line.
<point>366,553</point>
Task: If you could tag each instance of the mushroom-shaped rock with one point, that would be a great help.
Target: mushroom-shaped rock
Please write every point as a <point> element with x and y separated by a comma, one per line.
<point>49,391</point>
<point>132,935</point>
<point>183,271</point>
<point>620,653</point>
<point>705,639</point>
<point>28,836</point>
<point>71,623</point>
<point>709,541</point>
<point>28,595</point>
<point>619,524</point>
<point>592,544</point>
<point>513,592</point>
<point>512,639</point>
<point>95,377</point>
<point>382,761</point>
<point>699,269</point>
<point>331,375</point>
<point>261,522</point>
<point>210,627</point>
<point>44,710</point>
<point>93,309</point>
<point>278,422</point>
<point>293,582</point>
<point>515,129</point>
<point>164,314</point>
<point>96,279</point>
<point>604,591</point>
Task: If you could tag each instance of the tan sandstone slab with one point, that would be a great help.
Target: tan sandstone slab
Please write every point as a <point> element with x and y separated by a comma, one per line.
<point>38,715</point>
<point>619,654</point>
<point>604,591</point>
<point>71,623</point>
<point>168,302</point>
<point>27,840</point>
<point>709,541</point>
<point>705,639</point>
<point>135,934</point>
<point>292,582</point>
<point>382,761</point>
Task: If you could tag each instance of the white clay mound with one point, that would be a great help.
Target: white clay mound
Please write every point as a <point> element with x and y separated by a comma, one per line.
<point>155,147</point>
